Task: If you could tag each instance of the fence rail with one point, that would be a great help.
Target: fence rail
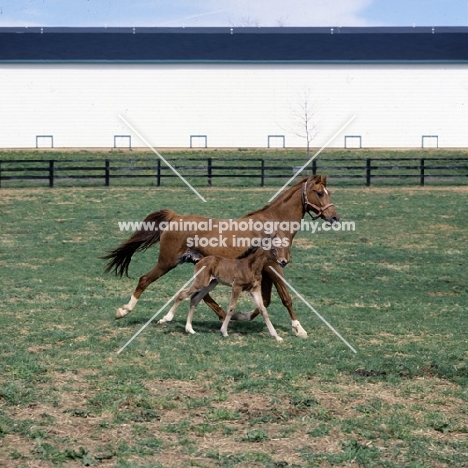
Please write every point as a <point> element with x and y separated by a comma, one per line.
<point>244,171</point>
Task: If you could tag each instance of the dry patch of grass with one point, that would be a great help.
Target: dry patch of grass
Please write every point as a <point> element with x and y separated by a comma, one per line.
<point>188,414</point>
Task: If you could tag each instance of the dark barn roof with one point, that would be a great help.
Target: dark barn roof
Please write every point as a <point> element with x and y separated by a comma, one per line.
<point>422,44</point>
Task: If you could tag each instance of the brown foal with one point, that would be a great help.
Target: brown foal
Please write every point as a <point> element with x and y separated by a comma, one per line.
<point>243,274</point>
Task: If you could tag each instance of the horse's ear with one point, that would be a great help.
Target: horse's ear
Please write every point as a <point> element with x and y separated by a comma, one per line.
<point>323,180</point>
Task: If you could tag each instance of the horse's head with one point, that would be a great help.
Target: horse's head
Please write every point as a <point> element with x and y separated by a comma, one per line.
<point>277,249</point>
<point>316,198</point>
<point>274,248</point>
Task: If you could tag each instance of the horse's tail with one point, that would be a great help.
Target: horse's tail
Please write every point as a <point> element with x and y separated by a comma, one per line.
<point>148,235</point>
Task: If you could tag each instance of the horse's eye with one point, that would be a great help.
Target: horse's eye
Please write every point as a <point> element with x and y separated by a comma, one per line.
<point>273,250</point>
<point>320,194</point>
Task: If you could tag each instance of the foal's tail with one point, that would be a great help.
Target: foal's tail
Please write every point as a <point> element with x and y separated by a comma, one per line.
<point>148,235</point>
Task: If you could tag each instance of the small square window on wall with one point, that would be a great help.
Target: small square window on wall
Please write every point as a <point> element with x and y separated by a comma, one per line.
<point>430,141</point>
<point>352,141</point>
<point>276,141</point>
<point>44,141</point>
<point>198,141</point>
<point>122,141</point>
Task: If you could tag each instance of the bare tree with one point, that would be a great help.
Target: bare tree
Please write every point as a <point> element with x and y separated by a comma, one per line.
<point>305,125</point>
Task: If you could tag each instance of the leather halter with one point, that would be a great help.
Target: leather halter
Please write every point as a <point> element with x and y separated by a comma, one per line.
<point>318,210</point>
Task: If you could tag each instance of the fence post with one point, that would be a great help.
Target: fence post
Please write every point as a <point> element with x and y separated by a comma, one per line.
<point>314,167</point>
<point>107,175</point>
<point>158,177</point>
<point>209,171</point>
<point>262,170</point>
<point>51,173</point>
<point>422,172</point>
<point>368,172</point>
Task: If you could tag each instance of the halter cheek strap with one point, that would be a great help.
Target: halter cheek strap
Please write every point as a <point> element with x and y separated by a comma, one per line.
<point>318,210</point>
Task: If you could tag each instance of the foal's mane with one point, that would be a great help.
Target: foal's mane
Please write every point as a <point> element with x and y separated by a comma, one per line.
<point>284,197</point>
<point>249,251</point>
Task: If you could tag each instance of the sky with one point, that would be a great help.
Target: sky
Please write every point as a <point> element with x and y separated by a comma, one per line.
<point>203,13</point>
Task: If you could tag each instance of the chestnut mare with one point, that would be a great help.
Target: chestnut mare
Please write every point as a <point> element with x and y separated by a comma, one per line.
<point>308,195</point>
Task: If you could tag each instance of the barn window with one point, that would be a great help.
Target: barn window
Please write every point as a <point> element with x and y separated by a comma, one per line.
<point>122,141</point>
<point>198,141</point>
<point>430,141</point>
<point>276,141</point>
<point>352,141</point>
<point>44,141</point>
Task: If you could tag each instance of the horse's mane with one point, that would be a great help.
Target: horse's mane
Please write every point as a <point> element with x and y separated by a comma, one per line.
<point>249,251</point>
<point>285,196</point>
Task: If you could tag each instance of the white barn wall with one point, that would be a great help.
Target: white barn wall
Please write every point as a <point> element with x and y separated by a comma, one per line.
<point>235,105</point>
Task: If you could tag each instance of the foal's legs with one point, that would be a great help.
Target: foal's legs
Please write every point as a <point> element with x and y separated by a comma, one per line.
<point>202,280</point>
<point>194,301</point>
<point>266,294</point>
<point>257,298</point>
<point>184,294</point>
<point>235,293</point>
<point>159,270</point>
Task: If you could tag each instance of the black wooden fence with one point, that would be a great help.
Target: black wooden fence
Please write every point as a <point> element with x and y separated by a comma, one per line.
<point>238,171</point>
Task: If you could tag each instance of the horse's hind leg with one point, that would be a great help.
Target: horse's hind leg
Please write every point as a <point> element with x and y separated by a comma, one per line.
<point>194,301</point>
<point>159,270</point>
<point>214,306</point>
<point>184,294</point>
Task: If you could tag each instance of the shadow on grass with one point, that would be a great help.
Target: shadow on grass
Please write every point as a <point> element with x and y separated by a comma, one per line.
<point>242,328</point>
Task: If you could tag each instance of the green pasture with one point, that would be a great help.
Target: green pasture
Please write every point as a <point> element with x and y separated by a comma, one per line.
<point>395,288</point>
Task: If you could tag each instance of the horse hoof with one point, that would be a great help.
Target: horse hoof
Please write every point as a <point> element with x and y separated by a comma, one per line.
<point>122,312</point>
<point>298,330</point>
<point>279,339</point>
<point>300,333</point>
<point>190,331</point>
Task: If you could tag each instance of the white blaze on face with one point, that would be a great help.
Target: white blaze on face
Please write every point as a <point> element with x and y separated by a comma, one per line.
<point>325,190</point>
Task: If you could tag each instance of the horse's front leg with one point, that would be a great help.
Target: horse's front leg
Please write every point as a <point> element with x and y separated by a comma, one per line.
<point>267,285</point>
<point>235,293</point>
<point>286,299</point>
<point>257,298</point>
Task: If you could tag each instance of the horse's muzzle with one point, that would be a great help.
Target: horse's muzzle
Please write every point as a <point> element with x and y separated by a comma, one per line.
<point>283,263</point>
<point>332,219</point>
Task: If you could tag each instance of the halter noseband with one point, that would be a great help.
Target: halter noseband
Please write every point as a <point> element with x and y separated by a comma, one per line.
<point>307,205</point>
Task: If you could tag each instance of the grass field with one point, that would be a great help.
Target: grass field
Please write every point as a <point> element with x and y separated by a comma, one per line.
<point>395,289</point>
